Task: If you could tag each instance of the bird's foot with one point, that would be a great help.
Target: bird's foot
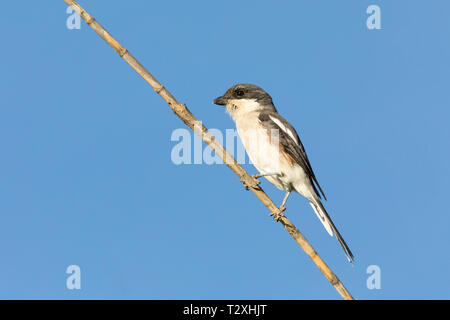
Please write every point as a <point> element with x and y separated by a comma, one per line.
<point>254,185</point>
<point>277,215</point>
<point>256,181</point>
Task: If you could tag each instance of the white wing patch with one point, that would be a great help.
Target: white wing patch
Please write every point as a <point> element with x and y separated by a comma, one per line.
<point>283,127</point>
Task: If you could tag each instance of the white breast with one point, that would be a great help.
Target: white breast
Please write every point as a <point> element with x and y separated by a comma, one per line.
<point>265,155</point>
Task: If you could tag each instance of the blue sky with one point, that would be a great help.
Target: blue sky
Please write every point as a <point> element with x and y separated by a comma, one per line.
<point>87,178</point>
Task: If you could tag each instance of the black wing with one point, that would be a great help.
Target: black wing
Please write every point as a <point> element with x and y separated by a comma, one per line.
<point>294,148</point>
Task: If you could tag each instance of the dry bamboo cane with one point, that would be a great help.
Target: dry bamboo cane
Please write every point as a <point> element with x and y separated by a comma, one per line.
<point>192,122</point>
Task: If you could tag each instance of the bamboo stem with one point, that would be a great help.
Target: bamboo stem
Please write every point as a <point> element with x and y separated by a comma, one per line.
<point>192,122</point>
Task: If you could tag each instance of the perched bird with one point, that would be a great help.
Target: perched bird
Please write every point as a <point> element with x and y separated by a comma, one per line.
<point>275,149</point>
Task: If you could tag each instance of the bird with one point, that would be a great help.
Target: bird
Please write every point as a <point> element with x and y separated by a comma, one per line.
<point>275,149</point>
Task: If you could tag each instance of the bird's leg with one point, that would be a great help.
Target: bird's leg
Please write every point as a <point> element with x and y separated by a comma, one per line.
<point>279,214</point>
<point>285,199</point>
<point>256,176</point>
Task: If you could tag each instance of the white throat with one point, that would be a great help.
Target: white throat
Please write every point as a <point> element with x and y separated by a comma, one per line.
<point>237,108</point>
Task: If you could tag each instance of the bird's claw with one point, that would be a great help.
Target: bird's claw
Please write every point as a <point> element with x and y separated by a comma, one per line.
<point>278,214</point>
<point>247,187</point>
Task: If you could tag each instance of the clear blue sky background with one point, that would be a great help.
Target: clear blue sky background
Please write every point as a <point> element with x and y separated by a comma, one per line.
<point>86,176</point>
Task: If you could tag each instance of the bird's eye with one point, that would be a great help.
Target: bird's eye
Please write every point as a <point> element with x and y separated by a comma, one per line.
<point>239,92</point>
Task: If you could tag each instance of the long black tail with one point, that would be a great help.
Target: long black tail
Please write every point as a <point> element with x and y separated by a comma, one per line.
<point>322,214</point>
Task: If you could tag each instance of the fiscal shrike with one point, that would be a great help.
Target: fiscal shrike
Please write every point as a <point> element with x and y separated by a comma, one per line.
<point>275,149</point>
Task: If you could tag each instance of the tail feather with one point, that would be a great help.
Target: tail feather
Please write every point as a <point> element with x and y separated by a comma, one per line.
<point>323,216</point>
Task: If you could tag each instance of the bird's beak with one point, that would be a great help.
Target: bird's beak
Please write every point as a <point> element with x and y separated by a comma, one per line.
<point>221,101</point>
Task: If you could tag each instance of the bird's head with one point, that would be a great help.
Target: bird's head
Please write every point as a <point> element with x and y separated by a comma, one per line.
<point>244,98</point>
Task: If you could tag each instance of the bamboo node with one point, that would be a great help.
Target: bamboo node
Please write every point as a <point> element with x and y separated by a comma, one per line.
<point>122,51</point>
<point>90,19</point>
<point>334,281</point>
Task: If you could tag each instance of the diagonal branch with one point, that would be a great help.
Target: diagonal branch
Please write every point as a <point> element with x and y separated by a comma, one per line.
<point>192,122</point>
